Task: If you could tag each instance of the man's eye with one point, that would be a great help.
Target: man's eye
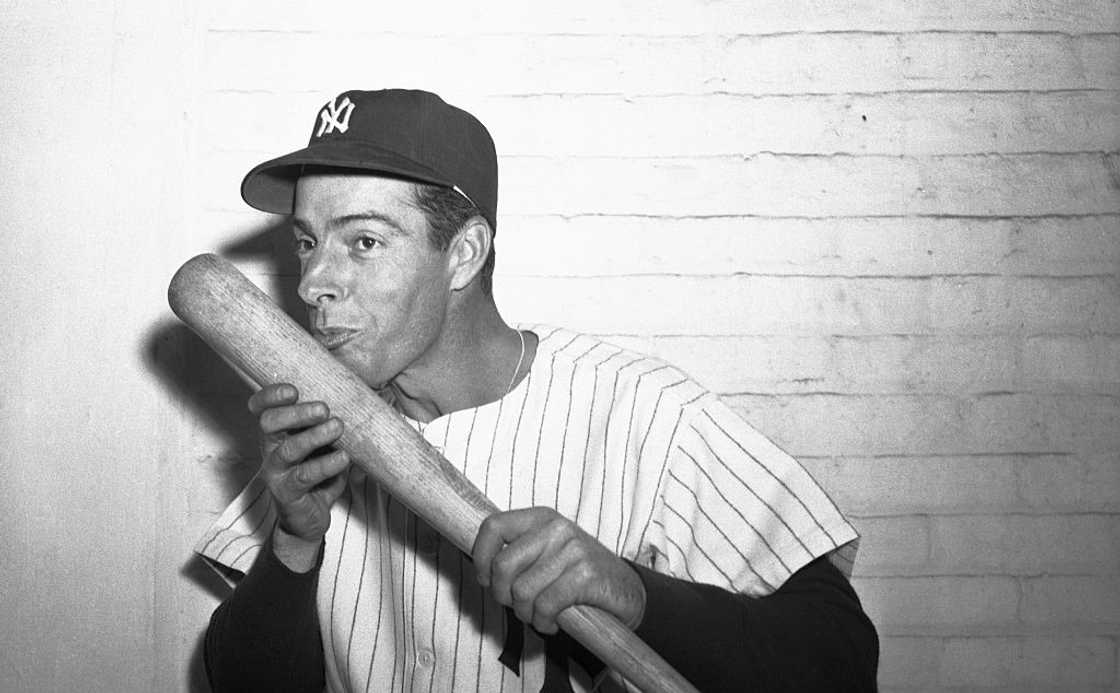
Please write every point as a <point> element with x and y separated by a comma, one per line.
<point>367,243</point>
<point>304,245</point>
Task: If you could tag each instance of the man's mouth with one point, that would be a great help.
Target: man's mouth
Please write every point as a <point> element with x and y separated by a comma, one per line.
<point>334,337</point>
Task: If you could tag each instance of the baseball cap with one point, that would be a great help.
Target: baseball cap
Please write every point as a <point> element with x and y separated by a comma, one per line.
<point>399,132</point>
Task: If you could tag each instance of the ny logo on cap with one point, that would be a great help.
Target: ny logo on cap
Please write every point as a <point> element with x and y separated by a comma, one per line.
<point>329,119</point>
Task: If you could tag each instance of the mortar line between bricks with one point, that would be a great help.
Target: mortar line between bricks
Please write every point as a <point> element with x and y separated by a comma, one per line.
<point>918,91</point>
<point>773,154</point>
<point>864,336</point>
<point>996,512</point>
<point>765,153</point>
<point>824,217</point>
<point>1014,577</point>
<point>805,275</point>
<point>1034,575</point>
<point>952,396</point>
<point>753,95</point>
<point>683,36</point>
<point>928,394</point>
<point>933,455</point>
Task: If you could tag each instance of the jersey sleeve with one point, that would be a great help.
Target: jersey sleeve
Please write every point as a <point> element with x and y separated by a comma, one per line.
<point>735,511</point>
<point>233,541</point>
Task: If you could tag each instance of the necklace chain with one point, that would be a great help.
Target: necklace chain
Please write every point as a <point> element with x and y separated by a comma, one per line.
<point>517,369</point>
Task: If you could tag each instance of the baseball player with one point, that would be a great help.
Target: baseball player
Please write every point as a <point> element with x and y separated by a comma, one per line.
<point>627,486</point>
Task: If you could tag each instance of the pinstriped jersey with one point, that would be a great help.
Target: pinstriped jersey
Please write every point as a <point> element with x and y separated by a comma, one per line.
<point>630,448</point>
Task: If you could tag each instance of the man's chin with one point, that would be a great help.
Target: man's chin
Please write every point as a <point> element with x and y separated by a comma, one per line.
<point>356,367</point>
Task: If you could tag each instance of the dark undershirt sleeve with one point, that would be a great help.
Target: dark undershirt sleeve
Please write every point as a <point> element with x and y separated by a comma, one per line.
<point>265,635</point>
<point>809,635</point>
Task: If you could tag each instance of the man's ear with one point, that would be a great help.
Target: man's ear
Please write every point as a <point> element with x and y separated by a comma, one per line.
<point>469,250</point>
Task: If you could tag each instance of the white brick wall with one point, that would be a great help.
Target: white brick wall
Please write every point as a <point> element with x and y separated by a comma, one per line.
<point>888,232</point>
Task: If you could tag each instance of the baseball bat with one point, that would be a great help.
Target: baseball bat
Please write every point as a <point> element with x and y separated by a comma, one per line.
<point>241,323</point>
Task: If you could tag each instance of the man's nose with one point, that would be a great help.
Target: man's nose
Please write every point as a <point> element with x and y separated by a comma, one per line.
<point>321,279</point>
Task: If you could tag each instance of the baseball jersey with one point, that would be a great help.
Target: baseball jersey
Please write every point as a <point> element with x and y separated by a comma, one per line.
<point>629,447</point>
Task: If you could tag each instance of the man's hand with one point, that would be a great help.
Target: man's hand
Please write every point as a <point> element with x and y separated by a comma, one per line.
<point>540,563</point>
<point>304,484</point>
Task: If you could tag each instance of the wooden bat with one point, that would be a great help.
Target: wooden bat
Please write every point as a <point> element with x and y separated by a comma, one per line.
<point>243,325</point>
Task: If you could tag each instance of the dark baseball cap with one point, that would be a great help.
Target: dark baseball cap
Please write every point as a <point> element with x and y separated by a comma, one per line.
<point>398,132</point>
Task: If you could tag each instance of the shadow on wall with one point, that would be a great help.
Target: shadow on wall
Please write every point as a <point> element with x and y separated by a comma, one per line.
<point>213,396</point>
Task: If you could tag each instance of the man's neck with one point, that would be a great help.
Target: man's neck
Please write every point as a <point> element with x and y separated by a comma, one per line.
<point>472,364</point>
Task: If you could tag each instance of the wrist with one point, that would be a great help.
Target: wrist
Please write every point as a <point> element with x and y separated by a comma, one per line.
<point>299,555</point>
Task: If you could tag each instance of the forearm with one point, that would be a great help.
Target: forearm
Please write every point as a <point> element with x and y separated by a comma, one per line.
<point>810,635</point>
<point>265,635</point>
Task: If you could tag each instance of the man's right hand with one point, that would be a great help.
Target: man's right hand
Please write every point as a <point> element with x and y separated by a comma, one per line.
<point>304,480</point>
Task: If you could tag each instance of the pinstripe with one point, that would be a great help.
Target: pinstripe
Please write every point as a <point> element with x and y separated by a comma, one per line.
<point>361,575</point>
<point>516,433</point>
<point>402,651</point>
<point>412,607</point>
<point>458,625</point>
<point>587,439</point>
<point>567,422</point>
<point>380,606</point>
<point>481,641</point>
<point>544,411</point>
<point>341,552</point>
<point>774,476</point>
<point>493,437</point>
<point>435,599</point>
<point>715,487</point>
<point>634,405</point>
<point>490,459</point>
<point>653,417</point>
<point>392,595</point>
<point>660,479</point>
<point>623,471</point>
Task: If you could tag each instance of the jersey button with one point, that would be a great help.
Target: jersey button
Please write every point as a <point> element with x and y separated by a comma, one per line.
<point>426,658</point>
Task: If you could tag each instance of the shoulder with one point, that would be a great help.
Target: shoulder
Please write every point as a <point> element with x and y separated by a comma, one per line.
<point>631,375</point>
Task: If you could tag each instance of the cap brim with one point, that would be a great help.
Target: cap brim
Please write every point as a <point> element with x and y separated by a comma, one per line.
<point>270,187</point>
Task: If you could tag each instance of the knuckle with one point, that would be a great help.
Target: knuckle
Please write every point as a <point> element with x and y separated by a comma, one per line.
<point>298,475</point>
<point>521,592</point>
<point>288,451</point>
<point>584,573</point>
<point>502,563</point>
<point>560,527</point>
<point>580,551</point>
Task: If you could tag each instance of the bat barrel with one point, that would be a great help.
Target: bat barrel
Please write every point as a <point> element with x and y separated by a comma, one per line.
<point>241,323</point>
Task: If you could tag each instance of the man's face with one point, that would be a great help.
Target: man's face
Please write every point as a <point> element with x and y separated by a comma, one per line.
<point>377,291</point>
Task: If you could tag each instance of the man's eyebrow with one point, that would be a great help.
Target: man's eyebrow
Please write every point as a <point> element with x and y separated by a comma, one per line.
<point>368,216</point>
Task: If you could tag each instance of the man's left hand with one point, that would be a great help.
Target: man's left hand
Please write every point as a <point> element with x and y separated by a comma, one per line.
<point>540,563</point>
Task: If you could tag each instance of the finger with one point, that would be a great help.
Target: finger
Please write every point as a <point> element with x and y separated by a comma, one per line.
<point>295,448</point>
<point>528,587</point>
<point>293,417</point>
<point>579,578</point>
<point>274,395</point>
<point>305,476</point>
<point>531,550</point>
<point>334,488</point>
<point>494,533</point>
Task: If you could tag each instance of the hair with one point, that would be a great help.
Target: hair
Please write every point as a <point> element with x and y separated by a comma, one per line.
<point>447,212</point>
